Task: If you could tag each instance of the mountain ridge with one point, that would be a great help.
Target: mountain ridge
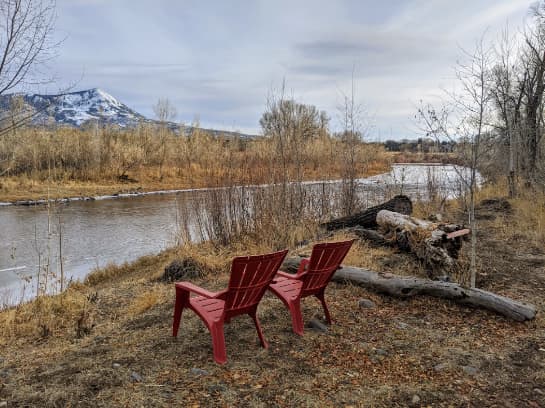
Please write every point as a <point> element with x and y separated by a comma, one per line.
<point>78,108</point>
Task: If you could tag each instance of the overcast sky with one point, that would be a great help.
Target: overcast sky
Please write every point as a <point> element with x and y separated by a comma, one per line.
<point>218,60</point>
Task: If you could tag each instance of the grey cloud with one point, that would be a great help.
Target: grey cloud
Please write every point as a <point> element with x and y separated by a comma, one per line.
<point>219,59</point>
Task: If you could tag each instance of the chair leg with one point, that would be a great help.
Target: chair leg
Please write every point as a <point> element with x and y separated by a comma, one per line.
<point>218,343</point>
<point>296,316</point>
<point>321,298</point>
<point>182,297</point>
<point>259,330</point>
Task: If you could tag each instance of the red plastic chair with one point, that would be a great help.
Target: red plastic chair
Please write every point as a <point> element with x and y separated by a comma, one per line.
<point>312,278</point>
<point>250,277</point>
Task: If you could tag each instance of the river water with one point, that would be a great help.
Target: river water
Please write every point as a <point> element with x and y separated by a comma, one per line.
<point>92,234</point>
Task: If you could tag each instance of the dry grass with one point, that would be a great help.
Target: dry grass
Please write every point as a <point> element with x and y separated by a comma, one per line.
<point>70,162</point>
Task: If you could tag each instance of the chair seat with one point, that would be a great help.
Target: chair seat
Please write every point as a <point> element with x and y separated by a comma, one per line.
<point>286,287</point>
<point>209,309</point>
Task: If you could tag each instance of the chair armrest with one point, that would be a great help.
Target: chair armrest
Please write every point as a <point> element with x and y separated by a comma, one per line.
<point>188,286</point>
<point>286,275</point>
<point>302,266</point>
<point>300,271</point>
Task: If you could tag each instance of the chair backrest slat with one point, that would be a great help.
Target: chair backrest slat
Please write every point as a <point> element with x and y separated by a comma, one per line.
<point>250,277</point>
<point>324,261</point>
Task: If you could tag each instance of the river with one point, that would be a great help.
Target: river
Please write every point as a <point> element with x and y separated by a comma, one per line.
<point>92,234</point>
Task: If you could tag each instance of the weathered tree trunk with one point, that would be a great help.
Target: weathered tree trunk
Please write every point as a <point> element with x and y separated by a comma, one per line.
<point>405,287</point>
<point>373,237</point>
<point>367,219</point>
<point>437,245</point>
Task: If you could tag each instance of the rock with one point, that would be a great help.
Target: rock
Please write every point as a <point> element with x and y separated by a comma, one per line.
<point>469,370</point>
<point>415,400</point>
<point>199,371</point>
<point>5,372</point>
<point>183,269</point>
<point>99,339</point>
<point>403,326</point>
<point>3,404</point>
<point>217,388</point>
<point>317,325</point>
<point>381,352</point>
<point>116,365</point>
<point>135,377</point>
<point>366,304</point>
<point>441,367</point>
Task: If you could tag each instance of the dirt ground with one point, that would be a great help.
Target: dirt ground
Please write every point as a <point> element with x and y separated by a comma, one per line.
<point>118,350</point>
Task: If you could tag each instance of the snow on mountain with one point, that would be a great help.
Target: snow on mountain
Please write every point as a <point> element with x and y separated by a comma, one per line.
<point>76,108</point>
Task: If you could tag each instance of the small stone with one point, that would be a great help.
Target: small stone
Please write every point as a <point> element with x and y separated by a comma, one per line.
<point>366,304</point>
<point>415,400</point>
<point>135,377</point>
<point>199,371</point>
<point>116,365</point>
<point>441,367</point>
<point>403,326</point>
<point>317,325</point>
<point>381,352</point>
<point>469,370</point>
<point>3,404</point>
<point>5,373</point>
<point>217,388</point>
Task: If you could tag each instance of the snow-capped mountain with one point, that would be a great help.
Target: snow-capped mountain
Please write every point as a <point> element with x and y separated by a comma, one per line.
<point>76,108</point>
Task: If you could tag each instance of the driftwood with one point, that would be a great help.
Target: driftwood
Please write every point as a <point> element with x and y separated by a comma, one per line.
<point>373,237</point>
<point>437,245</point>
<point>405,287</point>
<point>367,219</point>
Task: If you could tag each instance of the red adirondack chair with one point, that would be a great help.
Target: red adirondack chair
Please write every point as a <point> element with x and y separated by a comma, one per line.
<point>312,278</point>
<point>250,277</point>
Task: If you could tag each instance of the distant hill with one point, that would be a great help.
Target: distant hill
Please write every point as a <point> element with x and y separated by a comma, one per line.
<point>78,108</point>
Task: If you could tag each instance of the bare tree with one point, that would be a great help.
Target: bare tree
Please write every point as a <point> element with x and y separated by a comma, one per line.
<point>533,88</point>
<point>291,126</point>
<point>466,119</point>
<point>354,122</point>
<point>507,92</point>
<point>165,112</point>
<point>26,28</point>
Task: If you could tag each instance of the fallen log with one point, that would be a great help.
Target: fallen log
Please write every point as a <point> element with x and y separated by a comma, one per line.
<point>436,245</point>
<point>367,219</point>
<point>405,287</point>
<point>373,237</point>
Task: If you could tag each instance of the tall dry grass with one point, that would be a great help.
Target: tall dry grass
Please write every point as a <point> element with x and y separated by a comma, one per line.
<point>139,157</point>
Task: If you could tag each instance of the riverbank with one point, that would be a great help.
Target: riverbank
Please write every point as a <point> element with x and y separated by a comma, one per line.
<point>107,342</point>
<point>25,191</point>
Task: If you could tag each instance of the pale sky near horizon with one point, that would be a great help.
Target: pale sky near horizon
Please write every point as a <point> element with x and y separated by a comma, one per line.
<point>218,60</point>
